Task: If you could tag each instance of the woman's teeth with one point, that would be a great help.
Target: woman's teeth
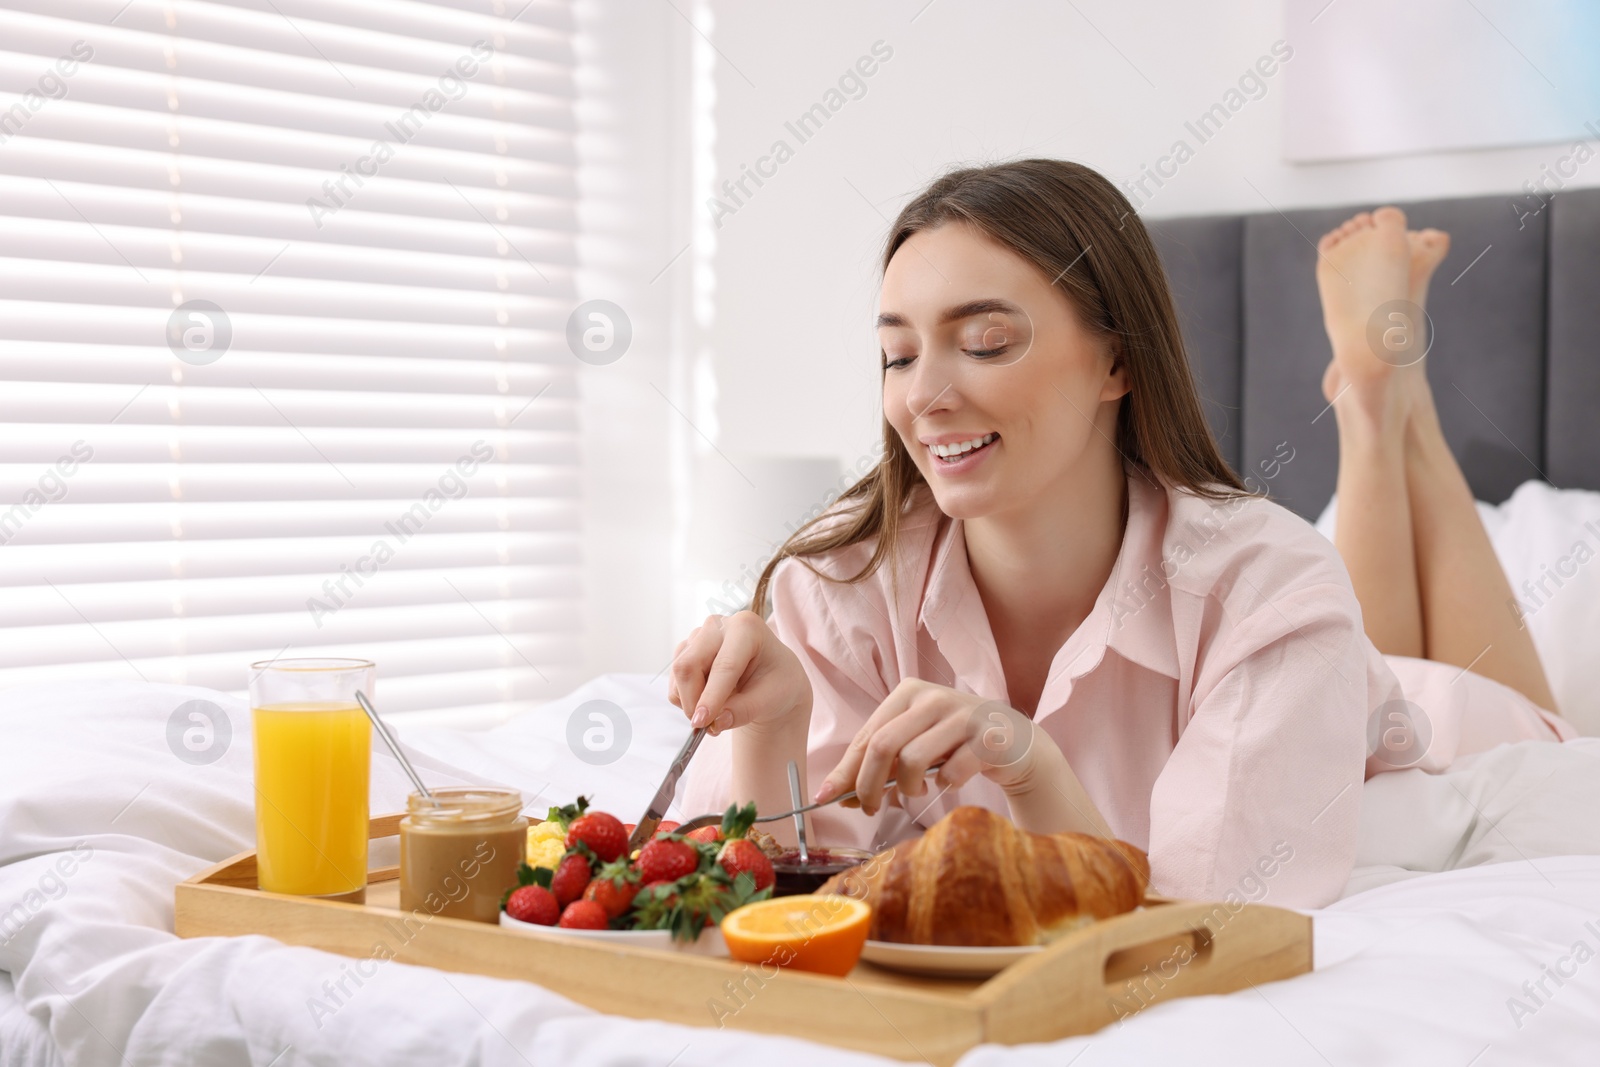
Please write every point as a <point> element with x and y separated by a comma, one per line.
<point>960,448</point>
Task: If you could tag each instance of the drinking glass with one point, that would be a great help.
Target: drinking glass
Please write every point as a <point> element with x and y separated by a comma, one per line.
<point>313,757</point>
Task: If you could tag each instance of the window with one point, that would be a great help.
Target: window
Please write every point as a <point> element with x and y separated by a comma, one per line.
<point>283,358</point>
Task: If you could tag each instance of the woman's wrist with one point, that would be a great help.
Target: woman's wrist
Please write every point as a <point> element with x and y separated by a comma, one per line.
<point>761,755</point>
<point>1047,798</point>
<point>796,722</point>
<point>1040,769</point>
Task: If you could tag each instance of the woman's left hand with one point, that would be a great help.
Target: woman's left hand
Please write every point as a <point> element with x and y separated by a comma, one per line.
<point>922,723</point>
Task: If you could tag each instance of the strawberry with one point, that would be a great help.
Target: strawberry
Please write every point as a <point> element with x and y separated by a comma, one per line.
<point>615,897</point>
<point>667,826</point>
<point>709,835</point>
<point>603,834</point>
<point>690,905</point>
<point>571,878</point>
<point>666,859</point>
<point>583,915</point>
<point>533,904</point>
<point>741,855</point>
<point>614,887</point>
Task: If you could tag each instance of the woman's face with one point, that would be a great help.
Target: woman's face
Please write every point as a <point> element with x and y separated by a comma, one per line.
<point>996,389</point>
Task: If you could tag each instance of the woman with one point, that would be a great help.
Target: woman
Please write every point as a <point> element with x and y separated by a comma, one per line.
<point>1054,585</point>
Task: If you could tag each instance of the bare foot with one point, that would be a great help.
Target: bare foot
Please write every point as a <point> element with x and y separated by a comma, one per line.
<point>1361,267</point>
<point>1426,250</point>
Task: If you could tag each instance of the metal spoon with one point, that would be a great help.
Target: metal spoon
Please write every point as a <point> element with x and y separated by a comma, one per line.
<point>716,820</point>
<point>394,746</point>
<point>798,801</point>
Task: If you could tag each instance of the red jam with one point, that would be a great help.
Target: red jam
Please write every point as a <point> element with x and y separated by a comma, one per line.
<point>795,877</point>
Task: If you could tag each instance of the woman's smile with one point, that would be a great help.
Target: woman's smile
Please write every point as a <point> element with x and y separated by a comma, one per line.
<point>955,453</point>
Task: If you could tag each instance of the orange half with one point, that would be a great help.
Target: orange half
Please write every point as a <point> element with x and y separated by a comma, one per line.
<point>824,934</point>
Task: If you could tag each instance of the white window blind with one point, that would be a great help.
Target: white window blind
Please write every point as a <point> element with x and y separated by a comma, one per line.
<point>379,196</point>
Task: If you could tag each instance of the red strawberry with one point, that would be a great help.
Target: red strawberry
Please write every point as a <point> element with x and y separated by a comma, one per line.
<point>741,855</point>
<point>603,834</point>
<point>665,859</point>
<point>584,915</point>
<point>570,879</point>
<point>709,835</point>
<point>616,897</point>
<point>667,826</point>
<point>533,904</point>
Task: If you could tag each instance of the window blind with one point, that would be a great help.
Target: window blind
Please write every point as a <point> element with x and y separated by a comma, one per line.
<point>283,371</point>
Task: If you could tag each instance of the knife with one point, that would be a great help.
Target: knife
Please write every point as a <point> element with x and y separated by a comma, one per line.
<point>646,828</point>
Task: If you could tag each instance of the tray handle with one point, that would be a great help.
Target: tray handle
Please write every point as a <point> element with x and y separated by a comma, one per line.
<point>1174,950</point>
<point>1162,949</point>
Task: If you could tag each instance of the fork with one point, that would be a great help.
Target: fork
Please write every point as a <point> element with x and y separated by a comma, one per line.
<point>700,821</point>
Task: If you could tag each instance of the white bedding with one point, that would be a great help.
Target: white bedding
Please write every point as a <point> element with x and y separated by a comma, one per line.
<point>1545,539</point>
<point>1418,968</point>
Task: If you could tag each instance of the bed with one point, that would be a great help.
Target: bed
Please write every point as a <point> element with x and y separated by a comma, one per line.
<point>1469,933</point>
<point>1470,884</point>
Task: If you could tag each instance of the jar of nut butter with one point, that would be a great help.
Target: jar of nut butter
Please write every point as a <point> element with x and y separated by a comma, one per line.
<point>459,852</point>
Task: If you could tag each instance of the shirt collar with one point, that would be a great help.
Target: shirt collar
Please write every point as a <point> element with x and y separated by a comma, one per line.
<point>1138,598</point>
<point>1132,615</point>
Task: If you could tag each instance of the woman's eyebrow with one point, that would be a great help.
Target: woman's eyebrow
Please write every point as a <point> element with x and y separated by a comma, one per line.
<point>960,311</point>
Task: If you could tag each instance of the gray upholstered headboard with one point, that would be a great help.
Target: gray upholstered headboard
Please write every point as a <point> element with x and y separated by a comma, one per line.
<point>1515,363</point>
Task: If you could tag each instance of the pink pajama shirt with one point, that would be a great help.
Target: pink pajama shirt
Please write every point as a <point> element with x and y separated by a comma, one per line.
<point>1216,703</point>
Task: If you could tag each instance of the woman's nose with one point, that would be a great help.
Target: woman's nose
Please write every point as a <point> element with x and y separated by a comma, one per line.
<point>932,387</point>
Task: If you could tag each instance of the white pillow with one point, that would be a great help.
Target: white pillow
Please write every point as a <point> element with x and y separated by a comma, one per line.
<point>1549,536</point>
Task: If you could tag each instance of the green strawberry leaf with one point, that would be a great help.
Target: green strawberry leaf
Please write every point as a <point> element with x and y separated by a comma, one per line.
<point>736,821</point>
<point>619,871</point>
<point>563,816</point>
<point>539,876</point>
<point>533,876</point>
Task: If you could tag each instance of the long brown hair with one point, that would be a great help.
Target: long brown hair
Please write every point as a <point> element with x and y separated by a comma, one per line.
<point>1077,228</point>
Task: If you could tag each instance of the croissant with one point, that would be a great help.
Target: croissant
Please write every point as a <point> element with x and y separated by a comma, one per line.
<point>975,879</point>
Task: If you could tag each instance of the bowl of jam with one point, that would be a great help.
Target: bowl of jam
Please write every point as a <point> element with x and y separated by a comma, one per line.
<point>794,877</point>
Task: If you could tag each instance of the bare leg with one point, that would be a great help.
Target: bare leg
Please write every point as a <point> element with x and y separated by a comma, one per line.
<point>1469,614</point>
<point>1361,265</point>
<point>1446,598</point>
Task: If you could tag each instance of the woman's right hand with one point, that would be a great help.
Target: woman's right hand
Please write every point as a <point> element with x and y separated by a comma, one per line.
<point>733,671</point>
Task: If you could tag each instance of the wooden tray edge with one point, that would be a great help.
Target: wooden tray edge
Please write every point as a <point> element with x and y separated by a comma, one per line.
<point>1037,999</point>
<point>1129,962</point>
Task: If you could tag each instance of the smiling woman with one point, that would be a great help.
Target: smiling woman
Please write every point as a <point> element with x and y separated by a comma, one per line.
<point>1046,463</point>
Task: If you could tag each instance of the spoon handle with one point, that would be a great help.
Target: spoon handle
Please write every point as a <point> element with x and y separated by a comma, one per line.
<point>394,746</point>
<point>795,798</point>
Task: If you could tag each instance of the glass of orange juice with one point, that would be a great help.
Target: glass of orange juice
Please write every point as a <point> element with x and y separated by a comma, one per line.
<point>313,755</point>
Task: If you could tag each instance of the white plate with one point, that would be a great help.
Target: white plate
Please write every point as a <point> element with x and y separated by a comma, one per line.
<point>948,961</point>
<point>710,942</point>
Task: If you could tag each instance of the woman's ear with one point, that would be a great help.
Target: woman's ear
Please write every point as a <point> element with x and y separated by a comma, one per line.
<point>1116,384</point>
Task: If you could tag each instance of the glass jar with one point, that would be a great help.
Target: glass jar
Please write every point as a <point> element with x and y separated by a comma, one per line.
<point>458,856</point>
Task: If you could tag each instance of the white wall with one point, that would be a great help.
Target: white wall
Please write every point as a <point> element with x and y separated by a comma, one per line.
<point>634,112</point>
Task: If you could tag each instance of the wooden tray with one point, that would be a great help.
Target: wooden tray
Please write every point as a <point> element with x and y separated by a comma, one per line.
<point>1087,980</point>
